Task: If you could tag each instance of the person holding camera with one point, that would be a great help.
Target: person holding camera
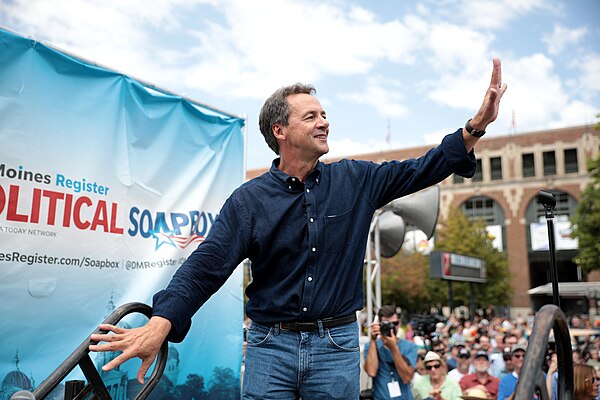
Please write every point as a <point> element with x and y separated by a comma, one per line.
<point>389,361</point>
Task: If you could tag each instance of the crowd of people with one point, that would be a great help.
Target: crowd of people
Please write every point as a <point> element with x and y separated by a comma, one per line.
<point>463,359</point>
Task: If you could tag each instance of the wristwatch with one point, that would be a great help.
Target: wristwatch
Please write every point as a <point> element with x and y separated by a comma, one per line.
<point>472,130</point>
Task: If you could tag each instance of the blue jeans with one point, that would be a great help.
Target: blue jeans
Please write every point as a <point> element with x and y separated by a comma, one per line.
<point>323,364</point>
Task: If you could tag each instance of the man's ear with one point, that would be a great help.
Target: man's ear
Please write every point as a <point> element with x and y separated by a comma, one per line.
<point>278,131</point>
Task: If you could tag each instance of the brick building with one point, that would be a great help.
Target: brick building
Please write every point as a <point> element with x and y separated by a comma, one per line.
<point>511,170</point>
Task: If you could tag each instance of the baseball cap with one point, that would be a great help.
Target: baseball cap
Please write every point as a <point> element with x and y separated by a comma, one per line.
<point>482,353</point>
<point>518,347</point>
<point>464,352</point>
<point>459,343</point>
<point>506,352</point>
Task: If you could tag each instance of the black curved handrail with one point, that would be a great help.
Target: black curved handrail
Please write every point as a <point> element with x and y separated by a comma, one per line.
<point>531,378</point>
<point>81,357</point>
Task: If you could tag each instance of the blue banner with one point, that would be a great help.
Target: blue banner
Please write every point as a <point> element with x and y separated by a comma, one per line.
<point>106,186</point>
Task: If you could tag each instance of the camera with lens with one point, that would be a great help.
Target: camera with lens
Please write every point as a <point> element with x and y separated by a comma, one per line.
<point>386,328</point>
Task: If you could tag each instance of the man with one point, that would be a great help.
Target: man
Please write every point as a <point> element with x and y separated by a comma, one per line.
<point>463,359</point>
<point>390,361</point>
<point>439,347</point>
<point>498,363</point>
<point>435,384</point>
<point>508,383</point>
<point>508,367</point>
<point>484,343</point>
<point>304,226</point>
<point>452,358</point>
<point>481,363</point>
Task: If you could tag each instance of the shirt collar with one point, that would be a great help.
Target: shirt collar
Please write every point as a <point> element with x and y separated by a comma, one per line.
<point>313,177</point>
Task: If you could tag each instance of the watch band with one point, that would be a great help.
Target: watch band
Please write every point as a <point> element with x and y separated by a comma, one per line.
<point>472,130</point>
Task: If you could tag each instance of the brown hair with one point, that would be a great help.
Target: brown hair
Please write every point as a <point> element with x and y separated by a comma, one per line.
<point>584,376</point>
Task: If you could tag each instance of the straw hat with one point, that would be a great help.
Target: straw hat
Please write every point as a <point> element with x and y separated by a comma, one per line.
<point>476,393</point>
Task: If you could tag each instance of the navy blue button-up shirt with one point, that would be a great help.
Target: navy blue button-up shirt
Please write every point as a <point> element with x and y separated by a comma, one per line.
<point>306,240</point>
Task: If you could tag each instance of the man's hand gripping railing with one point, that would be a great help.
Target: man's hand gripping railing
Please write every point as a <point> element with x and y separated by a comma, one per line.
<point>81,357</point>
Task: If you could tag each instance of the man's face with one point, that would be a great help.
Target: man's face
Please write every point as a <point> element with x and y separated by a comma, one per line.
<point>508,363</point>
<point>462,359</point>
<point>394,320</point>
<point>306,133</point>
<point>517,359</point>
<point>484,342</point>
<point>481,364</point>
<point>434,368</point>
<point>510,341</point>
<point>440,348</point>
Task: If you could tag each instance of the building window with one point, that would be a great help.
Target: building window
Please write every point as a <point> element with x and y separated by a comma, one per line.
<point>496,168</point>
<point>484,208</point>
<point>528,165</point>
<point>457,179</point>
<point>549,163</point>
<point>571,165</point>
<point>565,206</point>
<point>478,177</point>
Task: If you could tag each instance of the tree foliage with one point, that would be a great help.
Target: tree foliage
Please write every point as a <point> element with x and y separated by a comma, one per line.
<point>586,220</point>
<point>405,277</point>
<point>458,234</point>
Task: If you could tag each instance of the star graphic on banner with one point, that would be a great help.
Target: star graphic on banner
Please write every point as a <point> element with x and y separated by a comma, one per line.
<point>161,239</point>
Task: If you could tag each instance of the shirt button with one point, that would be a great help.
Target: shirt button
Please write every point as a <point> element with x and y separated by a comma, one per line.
<point>312,220</point>
<point>293,179</point>
<point>289,187</point>
<point>307,190</point>
<point>305,309</point>
<point>310,278</point>
<point>314,249</point>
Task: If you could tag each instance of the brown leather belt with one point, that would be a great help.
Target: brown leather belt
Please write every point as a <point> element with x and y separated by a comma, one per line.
<point>313,326</point>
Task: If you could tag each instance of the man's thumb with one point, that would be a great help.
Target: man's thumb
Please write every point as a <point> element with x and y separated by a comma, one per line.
<point>146,363</point>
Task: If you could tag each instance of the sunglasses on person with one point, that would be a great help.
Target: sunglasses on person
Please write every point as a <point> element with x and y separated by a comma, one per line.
<point>463,356</point>
<point>593,379</point>
<point>441,352</point>
<point>520,355</point>
<point>432,366</point>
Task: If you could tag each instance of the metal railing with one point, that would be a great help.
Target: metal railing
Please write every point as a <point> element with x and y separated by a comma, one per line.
<point>531,379</point>
<point>76,390</point>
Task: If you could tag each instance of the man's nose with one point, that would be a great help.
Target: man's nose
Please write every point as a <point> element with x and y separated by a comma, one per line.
<point>323,123</point>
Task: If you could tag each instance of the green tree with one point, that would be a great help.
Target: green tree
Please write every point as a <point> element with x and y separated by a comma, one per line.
<point>404,279</point>
<point>458,234</point>
<point>586,220</point>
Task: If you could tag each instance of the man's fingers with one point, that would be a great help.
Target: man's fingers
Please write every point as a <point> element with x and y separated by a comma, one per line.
<point>146,363</point>
<point>100,337</point>
<point>496,81</point>
<point>115,362</point>
<point>112,328</point>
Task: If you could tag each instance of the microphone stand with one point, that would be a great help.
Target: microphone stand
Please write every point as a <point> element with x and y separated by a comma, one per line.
<point>548,201</point>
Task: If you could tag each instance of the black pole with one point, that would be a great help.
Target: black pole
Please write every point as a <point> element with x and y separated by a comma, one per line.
<point>472,308</point>
<point>548,201</point>
<point>450,302</point>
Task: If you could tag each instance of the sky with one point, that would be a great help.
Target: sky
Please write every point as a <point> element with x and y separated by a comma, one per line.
<point>389,73</point>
